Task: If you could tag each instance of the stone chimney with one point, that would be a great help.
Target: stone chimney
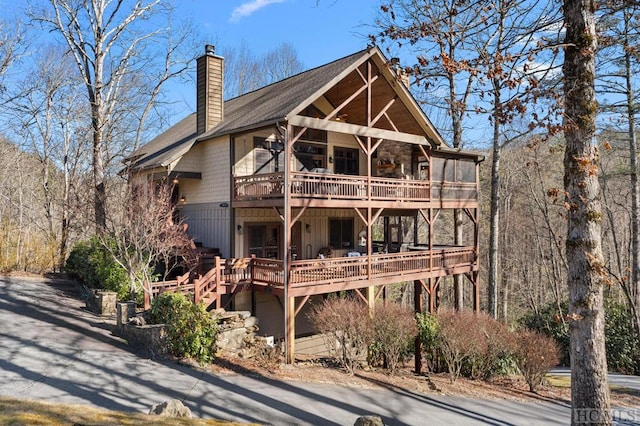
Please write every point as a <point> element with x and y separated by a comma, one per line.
<point>209,88</point>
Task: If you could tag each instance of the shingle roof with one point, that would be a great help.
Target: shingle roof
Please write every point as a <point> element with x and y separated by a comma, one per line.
<point>167,146</point>
<point>273,102</point>
<point>254,109</point>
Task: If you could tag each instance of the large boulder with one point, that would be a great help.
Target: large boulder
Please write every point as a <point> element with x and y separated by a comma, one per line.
<point>369,421</point>
<point>172,408</point>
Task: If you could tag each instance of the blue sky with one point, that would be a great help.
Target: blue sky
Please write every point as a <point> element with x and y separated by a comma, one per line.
<point>320,30</point>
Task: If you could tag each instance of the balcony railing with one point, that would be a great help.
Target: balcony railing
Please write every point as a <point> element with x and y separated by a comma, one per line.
<point>312,272</point>
<point>307,185</point>
<point>306,276</point>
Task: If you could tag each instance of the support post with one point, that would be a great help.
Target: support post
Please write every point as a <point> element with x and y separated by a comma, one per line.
<point>432,296</point>
<point>417,303</point>
<point>476,293</point>
<point>371,298</point>
<point>290,325</point>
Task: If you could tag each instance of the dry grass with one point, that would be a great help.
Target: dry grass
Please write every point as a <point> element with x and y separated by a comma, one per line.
<point>24,412</point>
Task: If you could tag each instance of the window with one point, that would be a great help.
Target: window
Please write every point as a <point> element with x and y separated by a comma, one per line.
<point>263,240</point>
<point>311,156</point>
<point>265,161</point>
<point>345,161</point>
<point>341,233</point>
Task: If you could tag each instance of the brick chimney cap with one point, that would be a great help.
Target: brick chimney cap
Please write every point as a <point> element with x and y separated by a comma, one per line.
<point>209,49</point>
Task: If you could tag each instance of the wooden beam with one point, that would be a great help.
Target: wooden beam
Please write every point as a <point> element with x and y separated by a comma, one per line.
<point>298,135</point>
<point>379,292</point>
<point>278,213</point>
<point>301,304</point>
<point>424,216</point>
<point>471,215</point>
<point>295,219</point>
<point>366,222</point>
<point>393,125</point>
<point>290,327</point>
<point>424,152</point>
<point>417,305</point>
<point>371,298</point>
<point>433,286</point>
<point>354,129</point>
<point>362,296</point>
<point>345,103</point>
<point>376,215</point>
<point>377,144</point>
<point>383,112</point>
<point>363,146</point>
<point>175,174</point>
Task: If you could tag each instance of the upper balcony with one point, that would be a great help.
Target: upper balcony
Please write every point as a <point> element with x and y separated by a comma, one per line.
<point>312,189</point>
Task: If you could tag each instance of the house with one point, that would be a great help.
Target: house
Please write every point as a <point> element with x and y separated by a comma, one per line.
<point>330,180</point>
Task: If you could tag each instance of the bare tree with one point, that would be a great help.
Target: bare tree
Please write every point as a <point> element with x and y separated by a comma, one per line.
<point>22,246</point>
<point>12,46</point>
<point>586,273</point>
<point>143,233</point>
<point>439,34</point>
<point>115,52</point>
<point>40,106</point>
<point>508,51</point>
<point>247,72</point>
<point>619,64</point>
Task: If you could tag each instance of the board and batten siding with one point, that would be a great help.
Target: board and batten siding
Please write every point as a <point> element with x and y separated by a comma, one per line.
<point>209,224</point>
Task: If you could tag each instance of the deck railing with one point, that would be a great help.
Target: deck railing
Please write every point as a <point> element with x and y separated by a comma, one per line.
<point>307,185</point>
<point>319,271</point>
<point>311,272</point>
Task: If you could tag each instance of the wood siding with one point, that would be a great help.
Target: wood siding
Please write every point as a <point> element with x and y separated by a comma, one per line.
<point>210,85</point>
<point>209,224</point>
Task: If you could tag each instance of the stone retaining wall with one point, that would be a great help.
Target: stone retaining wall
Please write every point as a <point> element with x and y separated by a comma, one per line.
<point>236,331</point>
<point>150,338</point>
<point>102,302</point>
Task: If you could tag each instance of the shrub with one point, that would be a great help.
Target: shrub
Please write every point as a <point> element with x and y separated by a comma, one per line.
<point>347,329</point>
<point>191,332</point>
<point>459,339</point>
<point>535,354</point>
<point>394,331</point>
<point>494,356</point>
<point>621,339</point>
<point>428,333</point>
<point>549,321</point>
<point>93,264</point>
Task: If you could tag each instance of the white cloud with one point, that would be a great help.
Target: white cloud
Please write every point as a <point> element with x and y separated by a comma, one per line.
<point>247,9</point>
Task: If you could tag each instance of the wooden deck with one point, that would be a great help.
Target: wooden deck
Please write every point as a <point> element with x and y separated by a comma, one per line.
<point>319,276</point>
<point>311,189</point>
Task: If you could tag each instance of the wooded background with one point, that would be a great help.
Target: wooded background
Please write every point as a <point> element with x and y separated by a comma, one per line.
<point>478,67</point>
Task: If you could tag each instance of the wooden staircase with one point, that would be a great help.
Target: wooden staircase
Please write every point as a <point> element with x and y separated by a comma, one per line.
<point>207,288</point>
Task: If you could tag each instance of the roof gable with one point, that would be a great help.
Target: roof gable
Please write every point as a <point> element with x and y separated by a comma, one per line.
<point>332,84</point>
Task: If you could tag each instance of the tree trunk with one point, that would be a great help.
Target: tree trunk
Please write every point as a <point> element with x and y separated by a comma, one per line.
<point>589,386</point>
<point>100,194</point>
<point>494,227</point>
<point>633,163</point>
